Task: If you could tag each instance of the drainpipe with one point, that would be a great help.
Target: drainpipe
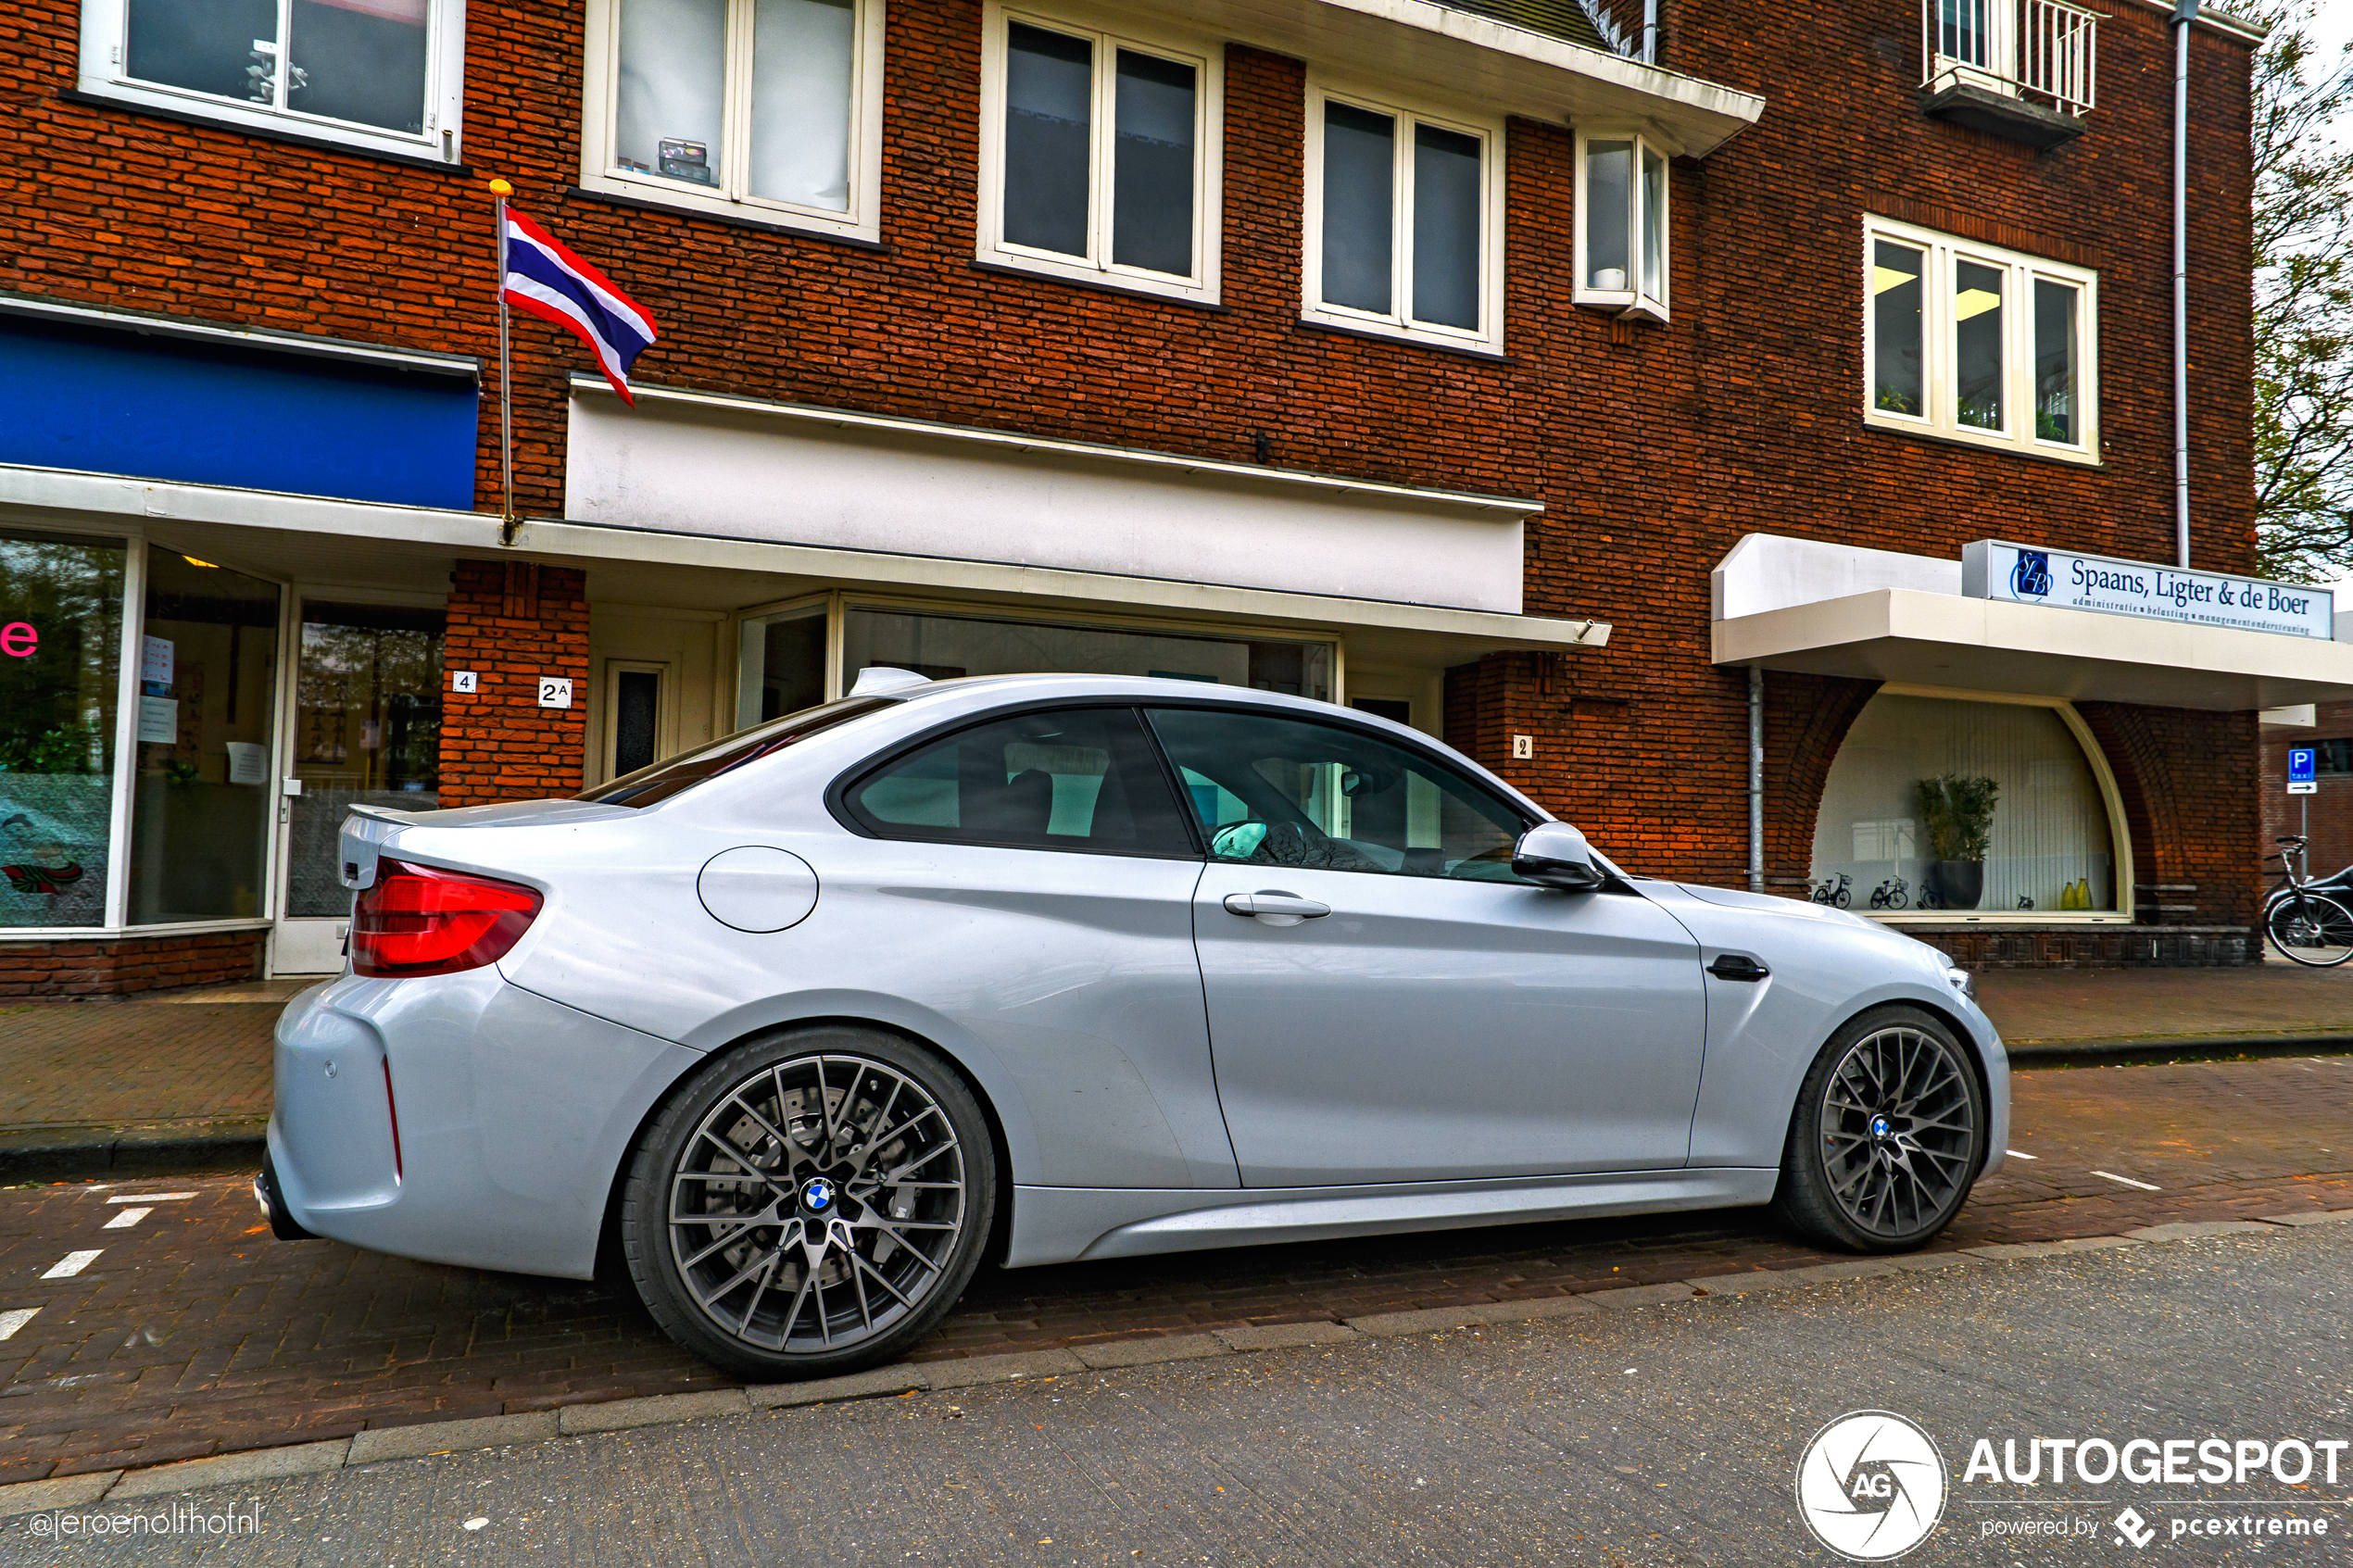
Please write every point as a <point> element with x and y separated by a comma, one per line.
<point>1650,32</point>
<point>1755,779</point>
<point>2185,12</point>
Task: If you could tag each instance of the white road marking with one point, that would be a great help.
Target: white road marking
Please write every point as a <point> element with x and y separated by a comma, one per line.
<point>2021,1154</point>
<point>149,1196</point>
<point>72,1264</point>
<point>11,1321</point>
<point>2128,1181</point>
<point>125,1219</point>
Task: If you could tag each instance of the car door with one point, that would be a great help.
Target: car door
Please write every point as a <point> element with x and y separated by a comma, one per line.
<point>1386,1001</point>
<point>1030,878</point>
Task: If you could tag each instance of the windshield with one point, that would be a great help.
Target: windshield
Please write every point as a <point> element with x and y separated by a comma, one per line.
<point>664,779</point>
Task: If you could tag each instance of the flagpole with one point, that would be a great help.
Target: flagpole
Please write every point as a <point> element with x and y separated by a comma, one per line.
<point>499,191</point>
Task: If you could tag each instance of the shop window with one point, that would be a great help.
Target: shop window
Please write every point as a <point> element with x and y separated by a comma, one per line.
<point>1098,155</point>
<point>945,646</point>
<point>2333,755</point>
<point>1978,343</point>
<point>1621,224</point>
<point>2049,846</point>
<point>761,108</point>
<point>782,664</point>
<point>60,672</point>
<point>384,74</point>
<point>1405,222</point>
<point>204,795</point>
<point>367,731</point>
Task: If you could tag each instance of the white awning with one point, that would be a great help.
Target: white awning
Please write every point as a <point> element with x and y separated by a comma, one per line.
<point>1828,609</point>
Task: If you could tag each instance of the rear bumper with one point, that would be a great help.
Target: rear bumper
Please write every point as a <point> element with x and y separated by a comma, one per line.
<point>457,1119</point>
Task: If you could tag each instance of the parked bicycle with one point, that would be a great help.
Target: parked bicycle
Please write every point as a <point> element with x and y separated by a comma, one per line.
<point>1834,891</point>
<point>1893,894</point>
<point>2305,923</point>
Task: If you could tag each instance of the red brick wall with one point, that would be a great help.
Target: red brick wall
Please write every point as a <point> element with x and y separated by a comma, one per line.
<point>511,623</point>
<point>134,963</point>
<point>2327,813</point>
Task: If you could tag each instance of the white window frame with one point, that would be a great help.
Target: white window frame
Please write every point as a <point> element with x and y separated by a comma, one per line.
<point>1488,337</point>
<point>1207,58</point>
<point>1633,300</point>
<point>102,74</point>
<point>601,120</point>
<point>1939,370</point>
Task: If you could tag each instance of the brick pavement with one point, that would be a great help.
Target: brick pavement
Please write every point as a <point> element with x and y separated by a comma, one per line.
<point>193,1333</point>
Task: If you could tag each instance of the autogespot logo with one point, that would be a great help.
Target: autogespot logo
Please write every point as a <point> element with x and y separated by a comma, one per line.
<point>1871,1485</point>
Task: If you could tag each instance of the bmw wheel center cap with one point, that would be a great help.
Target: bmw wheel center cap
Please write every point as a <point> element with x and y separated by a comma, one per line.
<point>1879,1130</point>
<point>817,1194</point>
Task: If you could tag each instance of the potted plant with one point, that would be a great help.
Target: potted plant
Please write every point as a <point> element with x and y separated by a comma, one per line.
<point>1959,812</point>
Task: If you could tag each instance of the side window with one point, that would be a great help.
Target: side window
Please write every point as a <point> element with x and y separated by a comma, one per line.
<point>1075,779</point>
<point>1289,792</point>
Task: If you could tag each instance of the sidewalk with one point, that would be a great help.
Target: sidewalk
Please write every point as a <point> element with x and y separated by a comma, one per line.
<point>183,1081</point>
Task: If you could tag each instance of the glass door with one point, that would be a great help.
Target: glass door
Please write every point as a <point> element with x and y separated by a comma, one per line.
<point>367,730</point>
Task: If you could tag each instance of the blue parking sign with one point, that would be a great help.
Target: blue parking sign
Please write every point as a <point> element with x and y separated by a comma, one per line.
<point>2302,770</point>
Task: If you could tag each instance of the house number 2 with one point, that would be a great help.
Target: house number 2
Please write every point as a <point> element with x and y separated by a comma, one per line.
<point>554,693</point>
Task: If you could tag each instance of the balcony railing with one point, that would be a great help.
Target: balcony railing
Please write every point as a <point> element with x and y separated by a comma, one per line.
<point>2043,52</point>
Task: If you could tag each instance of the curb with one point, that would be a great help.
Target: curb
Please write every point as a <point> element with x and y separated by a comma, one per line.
<point>383,1445</point>
<point>73,1154</point>
<point>2130,1049</point>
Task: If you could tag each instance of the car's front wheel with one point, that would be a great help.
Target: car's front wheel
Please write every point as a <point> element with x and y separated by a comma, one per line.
<point>1888,1133</point>
<point>809,1204</point>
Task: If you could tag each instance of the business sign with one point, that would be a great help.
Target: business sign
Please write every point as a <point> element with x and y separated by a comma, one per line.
<point>1991,570</point>
<point>2302,770</point>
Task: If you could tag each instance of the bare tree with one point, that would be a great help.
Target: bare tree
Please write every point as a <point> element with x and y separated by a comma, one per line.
<point>2303,299</point>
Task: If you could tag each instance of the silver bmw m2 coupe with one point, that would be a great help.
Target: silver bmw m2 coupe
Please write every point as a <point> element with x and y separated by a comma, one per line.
<point>797,1029</point>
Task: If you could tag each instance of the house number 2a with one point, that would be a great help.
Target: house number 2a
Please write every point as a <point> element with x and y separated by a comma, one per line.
<point>554,693</point>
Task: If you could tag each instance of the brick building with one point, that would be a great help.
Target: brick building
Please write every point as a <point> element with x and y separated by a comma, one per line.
<point>1511,367</point>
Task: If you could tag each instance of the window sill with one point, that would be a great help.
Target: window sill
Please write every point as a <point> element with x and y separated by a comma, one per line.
<point>1978,444</point>
<point>1915,918</point>
<point>1406,340</point>
<point>1105,282</point>
<point>731,219</point>
<point>239,125</point>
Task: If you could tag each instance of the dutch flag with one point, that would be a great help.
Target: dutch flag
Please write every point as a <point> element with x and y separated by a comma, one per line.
<point>552,283</point>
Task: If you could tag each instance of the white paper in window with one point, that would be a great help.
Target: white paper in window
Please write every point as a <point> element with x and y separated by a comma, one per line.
<point>248,763</point>
<point>802,58</point>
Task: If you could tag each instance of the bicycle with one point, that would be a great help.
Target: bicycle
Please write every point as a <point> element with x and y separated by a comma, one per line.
<point>1833,891</point>
<point>2308,927</point>
<point>1893,894</point>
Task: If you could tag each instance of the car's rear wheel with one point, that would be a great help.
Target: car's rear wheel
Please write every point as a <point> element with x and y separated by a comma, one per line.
<point>1888,1133</point>
<point>809,1204</point>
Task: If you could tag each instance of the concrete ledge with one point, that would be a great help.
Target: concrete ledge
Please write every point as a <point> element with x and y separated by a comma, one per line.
<point>1930,1262</point>
<point>1279,1336</point>
<point>2190,1229</point>
<point>380,1443</point>
<point>1790,1279</point>
<point>975,1370</point>
<point>654,1409</point>
<point>878,1383</point>
<point>1534,1307</point>
<point>64,1491</point>
<point>1150,1352</point>
<point>1641,1295</point>
<point>2312,1217</point>
<point>1428,1320</point>
<point>2007,1250</point>
<point>255,1464</point>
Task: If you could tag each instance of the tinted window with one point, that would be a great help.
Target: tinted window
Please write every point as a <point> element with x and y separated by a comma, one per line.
<point>665,779</point>
<point>1076,779</point>
<point>1289,792</point>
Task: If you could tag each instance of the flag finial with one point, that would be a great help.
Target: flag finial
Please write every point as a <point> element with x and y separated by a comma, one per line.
<point>500,188</point>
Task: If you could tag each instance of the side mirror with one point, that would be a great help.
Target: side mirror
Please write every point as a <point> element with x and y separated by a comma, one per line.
<point>1555,855</point>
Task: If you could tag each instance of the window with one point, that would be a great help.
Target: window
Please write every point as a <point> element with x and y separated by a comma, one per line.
<point>1098,156</point>
<point>680,773</point>
<point>1405,222</point>
<point>2332,757</point>
<point>2048,845</point>
<point>1621,224</point>
<point>1978,343</point>
<point>384,74</point>
<point>1268,790</point>
<point>768,109</point>
<point>782,664</point>
<point>945,646</point>
<point>367,731</point>
<point>60,655</point>
<point>1079,779</point>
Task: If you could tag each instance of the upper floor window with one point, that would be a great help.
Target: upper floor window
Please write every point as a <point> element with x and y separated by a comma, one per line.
<point>1978,343</point>
<point>1621,223</point>
<point>1098,155</point>
<point>759,108</point>
<point>384,74</point>
<point>1405,221</point>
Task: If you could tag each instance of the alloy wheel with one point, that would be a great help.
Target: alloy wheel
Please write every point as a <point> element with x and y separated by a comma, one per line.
<point>1898,1131</point>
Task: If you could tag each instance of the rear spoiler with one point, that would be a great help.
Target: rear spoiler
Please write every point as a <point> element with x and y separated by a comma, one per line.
<point>365,829</point>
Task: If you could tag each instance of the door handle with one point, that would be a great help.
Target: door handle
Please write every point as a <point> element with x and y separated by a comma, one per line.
<point>1269,901</point>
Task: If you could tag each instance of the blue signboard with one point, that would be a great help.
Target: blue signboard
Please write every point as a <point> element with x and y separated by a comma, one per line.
<point>2302,770</point>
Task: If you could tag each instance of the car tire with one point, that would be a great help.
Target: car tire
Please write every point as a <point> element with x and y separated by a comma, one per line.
<point>1888,1133</point>
<point>809,1204</point>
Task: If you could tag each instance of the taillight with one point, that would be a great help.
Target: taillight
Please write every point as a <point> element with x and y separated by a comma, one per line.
<point>420,919</point>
